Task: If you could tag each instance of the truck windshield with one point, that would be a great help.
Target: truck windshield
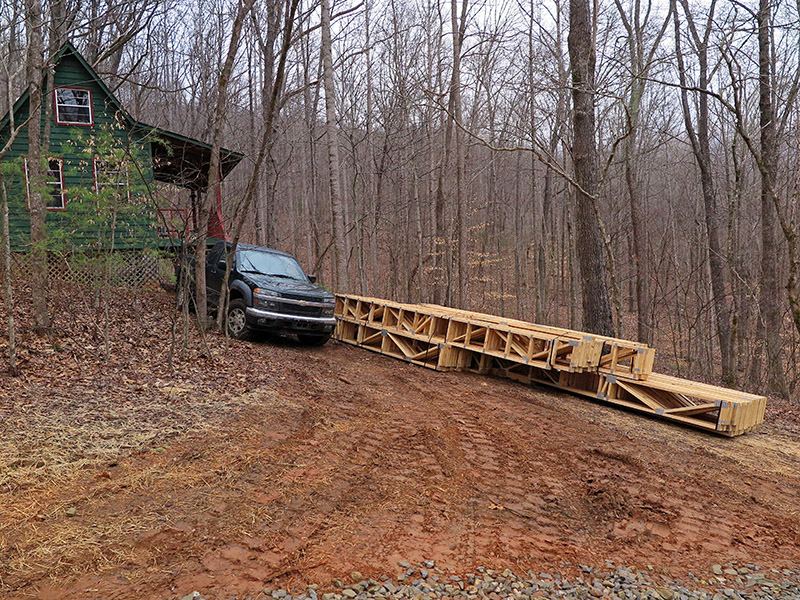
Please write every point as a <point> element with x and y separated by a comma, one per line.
<point>267,263</point>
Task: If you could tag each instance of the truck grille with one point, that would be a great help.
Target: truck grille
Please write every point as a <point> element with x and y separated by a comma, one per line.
<point>296,309</point>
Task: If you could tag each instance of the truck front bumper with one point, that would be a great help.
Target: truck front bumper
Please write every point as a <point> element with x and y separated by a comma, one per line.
<point>272,321</point>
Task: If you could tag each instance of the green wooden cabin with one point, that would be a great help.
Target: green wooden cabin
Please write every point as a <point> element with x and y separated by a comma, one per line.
<point>101,168</point>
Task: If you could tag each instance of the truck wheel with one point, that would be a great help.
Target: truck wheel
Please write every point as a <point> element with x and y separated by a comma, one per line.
<point>237,320</point>
<point>308,339</point>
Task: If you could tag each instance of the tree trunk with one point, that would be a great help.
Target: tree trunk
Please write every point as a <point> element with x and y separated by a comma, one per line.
<point>5,240</point>
<point>337,212</point>
<point>267,199</point>
<point>640,258</point>
<point>770,292</point>
<point>458,26</point>
<point>209,198</point>
<point>369,185</point>
<point>640,62</point>
<point>597,317</point>
<point>702,152</point>
<point>36,179</point>
<point>9,290</point>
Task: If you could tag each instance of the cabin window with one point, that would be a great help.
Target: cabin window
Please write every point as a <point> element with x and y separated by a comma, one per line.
<point>73,106</point>
<point>55,199</point>
<point>110,174</point>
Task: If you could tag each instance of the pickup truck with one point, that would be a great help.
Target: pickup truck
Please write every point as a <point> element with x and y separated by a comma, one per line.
<point>269,292</point>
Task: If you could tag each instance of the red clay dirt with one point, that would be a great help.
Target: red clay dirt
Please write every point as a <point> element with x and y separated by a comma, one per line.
<point>336,459</point>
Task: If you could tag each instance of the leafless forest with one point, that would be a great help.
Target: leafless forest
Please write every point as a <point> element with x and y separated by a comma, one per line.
<point>622,165</point>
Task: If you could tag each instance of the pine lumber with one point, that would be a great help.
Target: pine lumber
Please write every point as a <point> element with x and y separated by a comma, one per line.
<point>614,371</point>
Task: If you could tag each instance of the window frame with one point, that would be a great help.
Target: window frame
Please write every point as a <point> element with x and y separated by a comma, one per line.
<point>72,123</point>
<point>63,194</point>
<point>98,185</point>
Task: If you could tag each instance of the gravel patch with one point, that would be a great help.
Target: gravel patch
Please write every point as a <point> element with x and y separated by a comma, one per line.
<point>426,581</point>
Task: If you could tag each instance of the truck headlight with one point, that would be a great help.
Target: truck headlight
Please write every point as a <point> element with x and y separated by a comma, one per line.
<point>266,299</point>
<point>266,293</point>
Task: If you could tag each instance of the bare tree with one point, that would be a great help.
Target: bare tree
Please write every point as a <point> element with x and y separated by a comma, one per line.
<point>244,6</point>
<point>700,141</point>
<point>5,234</point>
<point>597,316</point>
<point>337,216</point>
<point>641,60</point>
<point>459,25</point>
<point>770,292</point>
<point>35,172</point>
<point>273,91</point>
<point>8,288</point>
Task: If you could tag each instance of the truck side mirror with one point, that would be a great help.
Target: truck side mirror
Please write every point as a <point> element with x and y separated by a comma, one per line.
<point>222,265</point>
<point>312,278</point>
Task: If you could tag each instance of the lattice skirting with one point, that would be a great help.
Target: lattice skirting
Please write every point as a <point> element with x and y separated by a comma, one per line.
<point>130,269</point>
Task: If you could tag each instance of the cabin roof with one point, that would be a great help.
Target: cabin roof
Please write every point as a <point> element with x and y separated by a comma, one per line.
<point>177,159</point>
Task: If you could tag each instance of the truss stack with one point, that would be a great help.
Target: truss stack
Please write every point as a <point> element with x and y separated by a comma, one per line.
<point>611,370</point>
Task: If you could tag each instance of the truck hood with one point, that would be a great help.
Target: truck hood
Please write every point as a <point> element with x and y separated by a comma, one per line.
<point>290,286</point>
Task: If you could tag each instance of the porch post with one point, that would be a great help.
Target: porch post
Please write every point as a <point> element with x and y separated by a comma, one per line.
<point>193,199</point>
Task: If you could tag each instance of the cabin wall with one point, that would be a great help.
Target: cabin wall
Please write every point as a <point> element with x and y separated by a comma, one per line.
<point>82,225</point>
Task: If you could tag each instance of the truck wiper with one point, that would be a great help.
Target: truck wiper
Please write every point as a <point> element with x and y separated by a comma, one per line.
<point>281,275</point>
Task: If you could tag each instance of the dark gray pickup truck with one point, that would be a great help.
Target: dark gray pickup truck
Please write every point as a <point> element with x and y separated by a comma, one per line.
<point>269,292</point>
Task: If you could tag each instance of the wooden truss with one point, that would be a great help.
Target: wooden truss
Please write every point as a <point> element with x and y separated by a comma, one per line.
<point>611,370</point>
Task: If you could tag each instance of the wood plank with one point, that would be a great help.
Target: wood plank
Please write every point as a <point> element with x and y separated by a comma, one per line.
<point>568,360</point>
<point>692,410</point>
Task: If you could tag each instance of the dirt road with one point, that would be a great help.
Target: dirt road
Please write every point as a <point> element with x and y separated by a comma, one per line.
<point>337,460</point>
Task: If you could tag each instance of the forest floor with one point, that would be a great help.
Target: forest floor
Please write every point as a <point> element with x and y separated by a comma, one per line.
<point>271,464</point>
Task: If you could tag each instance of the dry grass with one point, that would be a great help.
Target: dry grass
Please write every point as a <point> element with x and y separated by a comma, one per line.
<point>49,439</point>
<point>71,417</point>
<point>38,539</point>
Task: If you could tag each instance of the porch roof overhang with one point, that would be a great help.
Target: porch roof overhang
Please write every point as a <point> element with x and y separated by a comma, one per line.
<point>184,161</point>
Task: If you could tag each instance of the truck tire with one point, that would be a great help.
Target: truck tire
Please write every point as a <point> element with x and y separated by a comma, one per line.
<point>308,339</point>
<point>236,321</point>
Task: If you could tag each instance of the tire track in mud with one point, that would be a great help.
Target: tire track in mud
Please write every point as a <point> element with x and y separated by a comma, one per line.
<point>506,489</point>
<point>371,466</point>
<point>412,473</point>
<point>567,494</point>
<point>494,475</point>
<point>304,504</point>
<point>518,484</point>
<point>404,471</point>
<point>593,490</point>
<point>603,484</point>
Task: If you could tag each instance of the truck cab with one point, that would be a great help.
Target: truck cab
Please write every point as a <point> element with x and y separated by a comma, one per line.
<point>269,291</point>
